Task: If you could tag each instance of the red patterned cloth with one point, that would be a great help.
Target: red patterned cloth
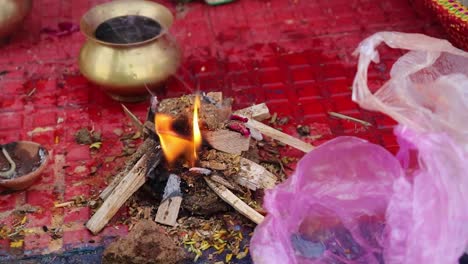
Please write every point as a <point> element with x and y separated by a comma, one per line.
<point>453,15</point>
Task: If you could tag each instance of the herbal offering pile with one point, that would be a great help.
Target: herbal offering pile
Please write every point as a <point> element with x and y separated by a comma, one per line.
<point>200,173</point>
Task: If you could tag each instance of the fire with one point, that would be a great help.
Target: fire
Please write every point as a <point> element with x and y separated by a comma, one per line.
<point>197,138</point>
<point>175,145</point>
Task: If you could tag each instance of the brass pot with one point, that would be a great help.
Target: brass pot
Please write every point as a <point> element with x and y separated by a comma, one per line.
<point>126,71</point>
<point>12,14</point>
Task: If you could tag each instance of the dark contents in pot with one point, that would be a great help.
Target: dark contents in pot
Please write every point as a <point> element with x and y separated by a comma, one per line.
<point>24,161</point>
<point>127,29</point>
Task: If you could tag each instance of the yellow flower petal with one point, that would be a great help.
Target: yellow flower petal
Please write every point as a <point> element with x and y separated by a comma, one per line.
<point>16,244</point>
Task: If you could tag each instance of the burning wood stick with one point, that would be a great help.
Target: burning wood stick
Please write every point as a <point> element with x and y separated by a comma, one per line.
<point>169,208</point>
<point>130,184</point>
<point>230,198</point>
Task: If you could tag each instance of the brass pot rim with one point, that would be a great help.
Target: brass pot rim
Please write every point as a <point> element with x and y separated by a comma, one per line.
<point>102,12</point>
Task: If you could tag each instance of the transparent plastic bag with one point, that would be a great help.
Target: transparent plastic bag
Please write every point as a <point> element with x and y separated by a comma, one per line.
<point>428,86</point>
<point>350,201</point>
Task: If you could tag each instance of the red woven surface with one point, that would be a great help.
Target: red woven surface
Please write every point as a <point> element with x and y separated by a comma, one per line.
<point>294,55</point>
<point>452,15</point>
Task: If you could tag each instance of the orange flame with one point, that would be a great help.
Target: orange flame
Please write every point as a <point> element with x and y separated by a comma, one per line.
<point>174,145</point>
<point>197,138</point>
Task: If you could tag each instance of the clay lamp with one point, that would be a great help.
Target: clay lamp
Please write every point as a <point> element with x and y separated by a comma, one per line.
<point>21,164</point>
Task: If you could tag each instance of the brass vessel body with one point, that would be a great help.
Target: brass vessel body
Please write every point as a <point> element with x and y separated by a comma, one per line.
<point>12,14</point>
<point>126,71</point>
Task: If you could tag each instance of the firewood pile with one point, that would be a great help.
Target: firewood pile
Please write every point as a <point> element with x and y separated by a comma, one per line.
<point>196,187</point>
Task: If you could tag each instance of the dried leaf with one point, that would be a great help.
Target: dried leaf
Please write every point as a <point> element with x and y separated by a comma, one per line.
<point>95,145</point>
<point>228,257</point>
<point>118,132</point>
<point>243,254</point>
<point>109,159</point>
<point>136,135</point>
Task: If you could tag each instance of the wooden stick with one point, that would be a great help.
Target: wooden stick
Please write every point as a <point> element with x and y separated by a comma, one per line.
<point>230,198</point>
<point>258,112</point>
<point>64,204</point>
<point>136,122</point>
<point>227,141</point>
<point>147,146</point>
<point>220,180</point>
<point>216,96</point>
<point>169,208</point>
<point>350,118</point>
<point>255,176</point>
<point>251,175</point>
<point>280,136</point>
<point>129,185</point>
<point>168,211</point>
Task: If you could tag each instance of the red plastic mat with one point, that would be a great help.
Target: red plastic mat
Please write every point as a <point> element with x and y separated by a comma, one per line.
<point>295,55</point>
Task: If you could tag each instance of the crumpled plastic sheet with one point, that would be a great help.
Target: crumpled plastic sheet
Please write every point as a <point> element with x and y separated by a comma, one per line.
<point>332,208</point>
<point>351,201</point>
<point>428,86</point>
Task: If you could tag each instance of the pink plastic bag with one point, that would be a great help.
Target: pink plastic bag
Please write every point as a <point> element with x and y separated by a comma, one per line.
<point>428,95</point>
<point>427,215</point>
<point>332,209</point>
<point>350,201</point>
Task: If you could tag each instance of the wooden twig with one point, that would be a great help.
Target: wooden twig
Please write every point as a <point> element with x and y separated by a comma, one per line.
<point>230,198</point>
<point>280,136</point>
<point>132,181</point>
<point>168,211</point>
<point>147,146</point>
<point>350,118</point>
<point>255,176</point>
<point>136,122</point>
<point>169,208</point>
<point>258,112</point>
<point>64,204</point>
<point>224,182</point>
<point>147,129</point>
